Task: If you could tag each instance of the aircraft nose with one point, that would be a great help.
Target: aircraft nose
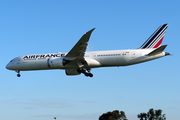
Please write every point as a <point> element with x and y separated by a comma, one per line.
<point>8,66</point>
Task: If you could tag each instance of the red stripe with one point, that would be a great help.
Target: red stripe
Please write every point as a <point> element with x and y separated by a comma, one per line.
<point>159,43</point>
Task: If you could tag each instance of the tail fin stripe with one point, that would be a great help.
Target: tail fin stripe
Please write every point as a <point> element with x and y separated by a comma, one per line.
<point>151,38</point>
<point>157,39</point>
<point>158,43</point>
<point>154,40</point>
<point>154,36</point>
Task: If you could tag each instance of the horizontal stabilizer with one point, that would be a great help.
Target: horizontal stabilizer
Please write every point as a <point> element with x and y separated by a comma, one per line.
<point>157,51</point>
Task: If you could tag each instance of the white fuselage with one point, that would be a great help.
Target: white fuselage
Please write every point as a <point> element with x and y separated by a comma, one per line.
<point>94,59</point>
<point>78,61</point>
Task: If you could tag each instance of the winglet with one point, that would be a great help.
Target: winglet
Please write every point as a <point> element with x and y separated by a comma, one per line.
<point>157,51</point>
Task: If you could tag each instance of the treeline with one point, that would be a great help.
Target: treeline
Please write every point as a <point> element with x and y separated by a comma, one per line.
<point>120,115</point>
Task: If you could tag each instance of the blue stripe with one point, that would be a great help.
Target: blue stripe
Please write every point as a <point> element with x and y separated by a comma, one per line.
<point>151,40</point>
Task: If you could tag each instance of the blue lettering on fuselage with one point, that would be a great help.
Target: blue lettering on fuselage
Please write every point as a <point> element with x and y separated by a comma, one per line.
<point>42,56</point>
<point>32,56</point>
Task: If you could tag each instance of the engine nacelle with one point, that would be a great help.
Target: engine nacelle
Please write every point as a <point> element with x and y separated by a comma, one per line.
<point>72,72</point>
<point>55,63</point>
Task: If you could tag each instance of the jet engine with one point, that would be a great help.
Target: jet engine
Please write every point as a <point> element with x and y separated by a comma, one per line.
<point>55,63</point>
<point>72,72</point>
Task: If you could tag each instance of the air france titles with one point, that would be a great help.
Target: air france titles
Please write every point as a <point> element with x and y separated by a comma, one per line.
<point>42,56</point>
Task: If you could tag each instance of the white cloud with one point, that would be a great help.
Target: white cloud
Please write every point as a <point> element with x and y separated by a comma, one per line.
<point>88,102</point>
<point>40,103</point>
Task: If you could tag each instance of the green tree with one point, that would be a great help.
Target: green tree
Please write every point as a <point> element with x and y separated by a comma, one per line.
<point>152,115</point>
<point>142,115</point>
<point>114,115</point>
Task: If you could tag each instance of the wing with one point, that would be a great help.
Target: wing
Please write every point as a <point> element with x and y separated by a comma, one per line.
<point>79,49</point>
<point>76,55</point>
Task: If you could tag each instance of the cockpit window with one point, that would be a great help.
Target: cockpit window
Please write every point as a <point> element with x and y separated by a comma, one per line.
<point>11,61</point>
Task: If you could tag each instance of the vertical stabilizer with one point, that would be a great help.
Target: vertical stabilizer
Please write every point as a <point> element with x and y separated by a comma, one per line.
<point>155,40</point>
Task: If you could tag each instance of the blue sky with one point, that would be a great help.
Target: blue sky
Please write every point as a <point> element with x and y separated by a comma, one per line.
<point>42,26</point>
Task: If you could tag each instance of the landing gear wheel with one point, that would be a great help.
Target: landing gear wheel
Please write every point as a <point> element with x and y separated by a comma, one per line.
<point>87,74</point>
<point>90,75</point>
<point>18,75</point>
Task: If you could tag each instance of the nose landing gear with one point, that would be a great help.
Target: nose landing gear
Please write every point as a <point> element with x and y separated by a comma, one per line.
<point>18,75</point>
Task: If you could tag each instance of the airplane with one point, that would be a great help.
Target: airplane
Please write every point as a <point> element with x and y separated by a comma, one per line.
<point>78,61</point>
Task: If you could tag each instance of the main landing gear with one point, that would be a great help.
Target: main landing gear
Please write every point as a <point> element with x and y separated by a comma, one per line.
<point>18,75</point>
<point>87,74</point>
